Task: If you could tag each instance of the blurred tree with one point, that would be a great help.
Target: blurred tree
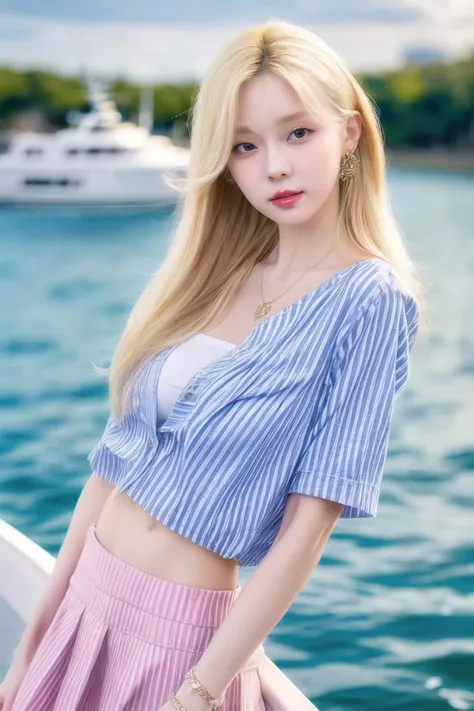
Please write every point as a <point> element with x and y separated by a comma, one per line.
<point>56,95</point>
<point>428,106</point>
<point>13,93</point>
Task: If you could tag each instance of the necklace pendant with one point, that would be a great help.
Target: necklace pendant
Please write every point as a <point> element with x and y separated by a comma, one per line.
<point>263,309</point>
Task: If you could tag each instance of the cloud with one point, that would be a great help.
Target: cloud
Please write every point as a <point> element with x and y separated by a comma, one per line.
<point>447,12</point>
<point>218,12</point>
<point>183,51</point>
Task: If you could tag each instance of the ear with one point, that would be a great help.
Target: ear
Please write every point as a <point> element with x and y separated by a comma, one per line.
<point>352,131</point>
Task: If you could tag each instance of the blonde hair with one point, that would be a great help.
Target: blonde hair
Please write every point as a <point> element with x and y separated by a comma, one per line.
<point>218,235</point>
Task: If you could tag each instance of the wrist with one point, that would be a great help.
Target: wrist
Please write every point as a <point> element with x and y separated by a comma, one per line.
<point>190,699</point>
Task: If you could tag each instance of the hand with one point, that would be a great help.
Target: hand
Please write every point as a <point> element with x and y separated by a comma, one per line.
<point>10,685</point>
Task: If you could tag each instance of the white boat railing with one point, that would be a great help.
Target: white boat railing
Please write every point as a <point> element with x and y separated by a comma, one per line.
<point>24,570</point>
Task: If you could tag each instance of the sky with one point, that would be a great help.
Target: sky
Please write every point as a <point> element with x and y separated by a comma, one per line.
<point>157,40</point>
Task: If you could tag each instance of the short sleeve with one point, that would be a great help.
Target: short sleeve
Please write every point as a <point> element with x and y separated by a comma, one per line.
<point>344,454</point>
<point>103,460</point>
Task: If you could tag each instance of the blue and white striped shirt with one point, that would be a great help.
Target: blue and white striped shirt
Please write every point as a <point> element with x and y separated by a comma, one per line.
<point>303,404</point>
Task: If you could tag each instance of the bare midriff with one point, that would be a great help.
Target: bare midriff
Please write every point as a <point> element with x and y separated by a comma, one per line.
<point>127,531</point>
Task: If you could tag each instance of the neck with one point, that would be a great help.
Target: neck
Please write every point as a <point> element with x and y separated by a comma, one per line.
<point>302,245</point>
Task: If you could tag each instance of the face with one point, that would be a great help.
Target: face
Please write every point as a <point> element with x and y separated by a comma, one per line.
<point>274,153</point>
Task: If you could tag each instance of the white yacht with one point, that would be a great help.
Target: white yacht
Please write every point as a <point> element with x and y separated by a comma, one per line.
<point>25,569</point>
<point>99,160</point>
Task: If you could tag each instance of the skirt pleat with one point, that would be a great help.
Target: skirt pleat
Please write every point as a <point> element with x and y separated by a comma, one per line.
<point>41,684</point>
<point>122,640</point>
<point>82,661</point>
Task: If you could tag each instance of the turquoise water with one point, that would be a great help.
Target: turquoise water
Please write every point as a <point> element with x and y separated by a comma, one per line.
<point>387,618</point>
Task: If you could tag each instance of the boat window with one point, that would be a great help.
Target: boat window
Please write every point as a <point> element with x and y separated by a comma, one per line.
<point>106,150</point>
<point>33,151</point>
<point>98,150</point>
<point>51,182</point>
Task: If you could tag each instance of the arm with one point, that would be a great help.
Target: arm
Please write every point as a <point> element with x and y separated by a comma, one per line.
<point>306,526</point>
<point>338,473</point>
<point>89,505</point>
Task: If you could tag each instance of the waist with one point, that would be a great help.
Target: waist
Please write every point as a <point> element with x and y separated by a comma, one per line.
<point>127,531</point>
<point>152,609</point>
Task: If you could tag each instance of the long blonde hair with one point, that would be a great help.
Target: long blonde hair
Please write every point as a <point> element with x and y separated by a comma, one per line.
<point>218,235</point>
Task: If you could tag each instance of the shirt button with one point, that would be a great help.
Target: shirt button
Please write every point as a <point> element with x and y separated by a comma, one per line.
<point>150,443</point>
<point>190,394</point>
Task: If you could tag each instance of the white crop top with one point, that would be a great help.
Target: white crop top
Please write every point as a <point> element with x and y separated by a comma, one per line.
<point>182,363</point>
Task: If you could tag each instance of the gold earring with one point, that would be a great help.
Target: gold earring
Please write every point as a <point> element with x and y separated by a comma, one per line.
<point>349,166</point>
<point>228,177</point>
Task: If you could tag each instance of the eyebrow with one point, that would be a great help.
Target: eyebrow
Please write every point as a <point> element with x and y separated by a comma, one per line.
<point>280,121</point>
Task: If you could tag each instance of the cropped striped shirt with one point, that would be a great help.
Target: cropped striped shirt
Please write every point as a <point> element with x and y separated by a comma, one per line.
<point>303,404</point>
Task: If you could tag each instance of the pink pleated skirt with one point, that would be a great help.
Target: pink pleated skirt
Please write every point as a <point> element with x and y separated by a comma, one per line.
<point>123,639</point>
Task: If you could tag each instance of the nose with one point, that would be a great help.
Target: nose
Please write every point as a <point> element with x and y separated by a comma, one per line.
<point>277,162</point>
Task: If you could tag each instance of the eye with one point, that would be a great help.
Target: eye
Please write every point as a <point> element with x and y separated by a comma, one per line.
<point>300,138</point>
<point>309,130</point>
<point>234,149</point>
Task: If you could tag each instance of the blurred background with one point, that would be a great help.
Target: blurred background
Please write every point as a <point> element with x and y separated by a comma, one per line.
<point>94,102</point>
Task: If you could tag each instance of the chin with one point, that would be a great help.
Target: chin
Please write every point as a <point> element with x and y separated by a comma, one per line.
<point>294,217</point>
<point>287,216</point>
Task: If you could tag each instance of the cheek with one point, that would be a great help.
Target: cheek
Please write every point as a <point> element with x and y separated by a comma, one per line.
<point>247,177</point>
<point>244,173</point>
<point>323,159</point>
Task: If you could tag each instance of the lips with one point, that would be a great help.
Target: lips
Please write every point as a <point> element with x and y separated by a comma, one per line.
<point>285,194</point>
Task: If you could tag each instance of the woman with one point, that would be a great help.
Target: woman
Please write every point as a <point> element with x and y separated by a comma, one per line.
<point>251,397</point>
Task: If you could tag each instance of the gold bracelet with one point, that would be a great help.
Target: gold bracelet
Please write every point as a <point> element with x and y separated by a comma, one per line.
<point>177,704</point>
<point>214,703</point>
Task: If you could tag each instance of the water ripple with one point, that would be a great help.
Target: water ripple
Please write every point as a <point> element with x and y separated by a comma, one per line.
<point>386,620</point>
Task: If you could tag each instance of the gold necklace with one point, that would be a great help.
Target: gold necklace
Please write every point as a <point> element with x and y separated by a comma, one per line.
<point>263,308</point>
